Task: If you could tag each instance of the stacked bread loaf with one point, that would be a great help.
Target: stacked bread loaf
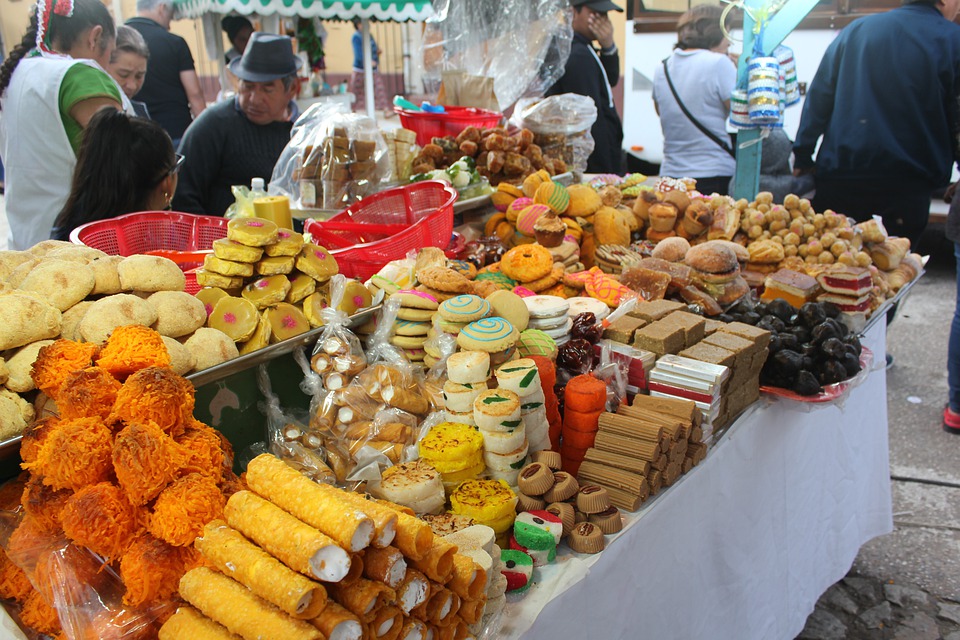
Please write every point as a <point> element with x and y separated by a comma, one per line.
<point>296,559</point>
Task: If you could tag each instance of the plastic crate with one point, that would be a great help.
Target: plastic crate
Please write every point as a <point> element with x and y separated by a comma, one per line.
<point>436,125</point>
<point>181,237</point>
<point>386,226</point>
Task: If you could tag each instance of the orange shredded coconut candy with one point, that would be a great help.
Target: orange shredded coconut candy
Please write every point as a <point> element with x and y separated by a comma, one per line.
<point>151,569</point>
<point>184,507</point>
<point>34,436</point>
<point>145,460</point>
<point>204,450</point>
<point>101,518</point>
<point>58,360</point>
<point>156,394</point>
<point>44,503</point>
<point>75,454</point>
<point>14,583</point>
<point>88,392</point>
<point>130,348</point>
<point>38,614</point>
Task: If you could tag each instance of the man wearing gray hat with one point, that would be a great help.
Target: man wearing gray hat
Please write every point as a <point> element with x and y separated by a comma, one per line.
<point>241,138</point>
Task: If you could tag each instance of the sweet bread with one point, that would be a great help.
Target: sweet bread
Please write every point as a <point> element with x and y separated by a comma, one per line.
<point>527,263</point>
<point>610,227</point>
<point>663,217</point>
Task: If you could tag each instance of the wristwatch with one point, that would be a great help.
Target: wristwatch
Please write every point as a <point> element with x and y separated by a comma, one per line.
<point>609,52</point>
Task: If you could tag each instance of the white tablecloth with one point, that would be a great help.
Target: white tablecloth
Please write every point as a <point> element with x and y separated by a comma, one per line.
<point>744,545</point>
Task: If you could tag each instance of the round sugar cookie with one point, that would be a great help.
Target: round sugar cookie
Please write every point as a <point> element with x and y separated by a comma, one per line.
<point>554,195</point>
<point>267,291</point>
<point>413,299</point>
<point>235,317</point>
<point>488,334</point>
<point>253,232</point>
<point>529,216</point>
<point>543,306</point>
<point>408,342</point>
<point>464,308</point>
<point>452,327</point>
<point>517,567</point>
<point>415,315</point>
<point>523,292</point>
<point>527,262</point>
<point>581,304</point>
<point>316,262</point>
<point>534,342</point>
<point>415,355</point>
<point>510,306</point>
<point>560,332</point>
<point>410,328</point>
<point>515,207</point>
<point>465,268</point>
<point>498,279</point>
<point>545,324</point>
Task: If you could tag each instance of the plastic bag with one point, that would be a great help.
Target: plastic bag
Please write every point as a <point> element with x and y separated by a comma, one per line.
<point>242,206</point>
<point>337,355</point>
<point>561,126</point>
<point>333,159</point>
<point>523,45</point>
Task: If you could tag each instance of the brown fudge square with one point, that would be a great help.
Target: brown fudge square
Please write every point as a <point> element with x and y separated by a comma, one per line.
<point>622,330</point>
<point>653,310</point>
<point>730,342</point>
<point>760,337</point>
<point>711,326</point>
<point>693,325</point>
<point>659,337</point>
<point>710,353</point>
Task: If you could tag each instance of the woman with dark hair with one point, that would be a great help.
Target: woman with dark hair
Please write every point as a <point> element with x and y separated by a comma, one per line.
<point>693,111</point>
<point>238,30</point>
<point>50,87</point>
<point>107,183</point>
<point>128,65</point>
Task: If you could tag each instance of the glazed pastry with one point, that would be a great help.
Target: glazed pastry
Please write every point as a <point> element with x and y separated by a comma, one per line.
<point>289,243</point>
<point>511,307</point>
<point>253,232</point>
<point>268,291</point>
<point>527,263</point>
<point>316,262</point>
<point>286,321</point>
<point>414,299</point>
<point>236,317</point>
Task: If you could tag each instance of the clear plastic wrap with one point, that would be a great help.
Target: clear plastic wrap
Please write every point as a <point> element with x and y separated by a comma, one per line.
<point>337,356</point>
<point>522,45</point>
<point>561,126</point>
<point>333,159</point>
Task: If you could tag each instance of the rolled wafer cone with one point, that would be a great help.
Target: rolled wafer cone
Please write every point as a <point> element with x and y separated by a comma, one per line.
<point>356,568</point>
<point>386,565</point>
<point>405,399</point>
<point>187,622</point>
<point>387,623</point>
<point>237,608</point>
<point>413,628</point>
<point>363,597</point>
<point>413,591</point>
<point>338,623</point>
<point>414,536</point>
<point>298,545</point>
<point>318,505</point>
<point>384,518</point>
<point>472,610</point>
<point>468,581</point>
<point>437,563</point>
<point>260,572</point>
<point>442,605</point>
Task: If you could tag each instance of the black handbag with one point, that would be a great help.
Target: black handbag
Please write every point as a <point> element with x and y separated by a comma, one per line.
<point>710,134</point>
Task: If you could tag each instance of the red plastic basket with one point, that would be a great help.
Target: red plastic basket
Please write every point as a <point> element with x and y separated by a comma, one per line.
<point>387,225</point>
<point>182,237</point>
<point>436,125</point>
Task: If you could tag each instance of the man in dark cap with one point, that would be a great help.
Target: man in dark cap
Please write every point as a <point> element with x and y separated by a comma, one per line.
<point>592,72</point>
<point>241,138</point>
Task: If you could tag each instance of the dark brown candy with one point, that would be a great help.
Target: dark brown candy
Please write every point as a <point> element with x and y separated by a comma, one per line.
<point>576,356</point>
<point>585,327</point>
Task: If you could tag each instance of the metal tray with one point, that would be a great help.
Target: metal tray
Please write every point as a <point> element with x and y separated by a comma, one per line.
<point>266,354</point>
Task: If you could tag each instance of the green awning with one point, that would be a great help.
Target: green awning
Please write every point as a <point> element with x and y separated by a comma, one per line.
<point>383,10</point>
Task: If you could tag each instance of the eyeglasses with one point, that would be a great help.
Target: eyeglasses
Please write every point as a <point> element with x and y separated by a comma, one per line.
<point>176,165</point>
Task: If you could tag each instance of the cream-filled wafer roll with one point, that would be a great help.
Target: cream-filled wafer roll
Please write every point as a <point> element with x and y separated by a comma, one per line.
<point>469,580</point>
<point>472,610</point>
<point>363,597</point>
<point>413,629</point>
<point>298,545</point>
<point>503,442</point>
<point>399,508</point>
<point>446,632</point>
<point>463,631</point>
<point>520,376</point>
<point>414,536</point>
<point>413,591</point>
<point>356,568</point>
<point>387,624</point>
<point>267,577</point>
<point>189,624</point>
<point>384,518</point>
<point>442,604</point>
<point>460,397</point>
<point>405,399</point>
<point>386,565</point>
<point>338,623</point>
<point>237,608</point>
<point>327,510</point>
<point>437,563</point>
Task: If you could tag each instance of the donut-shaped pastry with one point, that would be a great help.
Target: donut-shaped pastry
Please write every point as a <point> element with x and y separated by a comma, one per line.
<point>464,308</point>
<point>488,334</point>
<point>527,263</point>
<point>316,262</point>
<point>253,232</point>
<point>515,207</point>
<point>268,291</point>
<point>236,317</point>
<point>554,195</point>
<point>529,216</point>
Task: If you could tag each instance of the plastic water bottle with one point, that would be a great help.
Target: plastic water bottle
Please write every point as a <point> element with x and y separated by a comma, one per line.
<point>257,189</point>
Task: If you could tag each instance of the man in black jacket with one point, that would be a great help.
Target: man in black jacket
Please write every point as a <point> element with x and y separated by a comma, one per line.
<point>592,73</point>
